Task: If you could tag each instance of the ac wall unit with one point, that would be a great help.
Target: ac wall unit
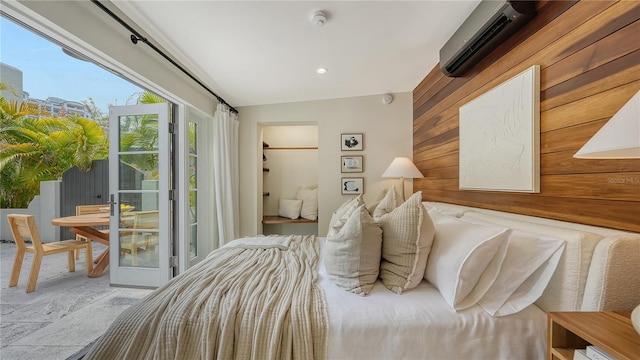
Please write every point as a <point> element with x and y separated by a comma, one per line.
<point>488,26</point>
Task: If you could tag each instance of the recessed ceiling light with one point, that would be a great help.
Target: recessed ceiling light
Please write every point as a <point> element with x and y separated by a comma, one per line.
<point>321,70</point>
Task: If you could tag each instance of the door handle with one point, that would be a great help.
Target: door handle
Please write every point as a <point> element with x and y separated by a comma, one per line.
<point>112,204</point>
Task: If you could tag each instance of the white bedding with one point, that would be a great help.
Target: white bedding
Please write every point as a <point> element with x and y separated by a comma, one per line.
<point>419,324</point>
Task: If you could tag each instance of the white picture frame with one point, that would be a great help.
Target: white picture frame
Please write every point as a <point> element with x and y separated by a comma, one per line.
<point>500,137</point>
<point>351,164</point>
<point>352,185</point>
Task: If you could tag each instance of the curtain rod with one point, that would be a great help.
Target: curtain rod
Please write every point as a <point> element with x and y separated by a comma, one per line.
<point>136,36</point>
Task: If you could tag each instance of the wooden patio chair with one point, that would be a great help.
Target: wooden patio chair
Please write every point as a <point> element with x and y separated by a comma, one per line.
<point>24,226</point>
<point>89,209</point>
<point>140,239</point>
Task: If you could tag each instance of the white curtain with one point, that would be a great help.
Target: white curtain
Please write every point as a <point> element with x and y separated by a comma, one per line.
<point>226,175</point>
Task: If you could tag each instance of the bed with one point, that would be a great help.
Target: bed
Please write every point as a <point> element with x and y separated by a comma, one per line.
<point>595,269</point>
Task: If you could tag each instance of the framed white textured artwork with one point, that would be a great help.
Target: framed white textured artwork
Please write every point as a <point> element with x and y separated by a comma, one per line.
<point>500,137</point>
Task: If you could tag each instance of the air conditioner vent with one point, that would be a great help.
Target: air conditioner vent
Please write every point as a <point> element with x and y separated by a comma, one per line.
<point>487,26</point>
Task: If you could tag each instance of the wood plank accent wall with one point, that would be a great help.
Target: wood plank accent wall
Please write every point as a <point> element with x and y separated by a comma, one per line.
<point>589,55</point>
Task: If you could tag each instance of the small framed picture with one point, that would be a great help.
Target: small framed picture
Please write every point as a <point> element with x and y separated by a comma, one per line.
<point>352,185</point>
<point>351,164</point>
<point>351,142</point>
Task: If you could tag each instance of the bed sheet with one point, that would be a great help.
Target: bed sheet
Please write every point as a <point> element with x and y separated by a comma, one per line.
<point>419,324</point>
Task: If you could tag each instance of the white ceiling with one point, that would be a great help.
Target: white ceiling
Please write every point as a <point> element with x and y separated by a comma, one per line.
<point>266,52</point>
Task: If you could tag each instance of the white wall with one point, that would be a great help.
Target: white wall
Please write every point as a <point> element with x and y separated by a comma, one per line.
<point>387,133</point>
<point>45,207</point>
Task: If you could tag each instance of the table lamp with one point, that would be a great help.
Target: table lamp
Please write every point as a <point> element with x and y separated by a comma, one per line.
<point>619,138</point>
<point>402,167</point>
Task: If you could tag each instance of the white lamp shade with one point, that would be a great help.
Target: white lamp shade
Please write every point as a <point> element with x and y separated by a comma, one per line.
<point>619,138</point>
<point>402,167</point>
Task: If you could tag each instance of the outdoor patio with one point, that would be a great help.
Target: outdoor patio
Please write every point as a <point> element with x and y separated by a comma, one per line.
<point>66,312</point>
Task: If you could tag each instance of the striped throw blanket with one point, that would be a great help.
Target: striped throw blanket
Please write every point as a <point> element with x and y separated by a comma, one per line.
<point>254,298</point>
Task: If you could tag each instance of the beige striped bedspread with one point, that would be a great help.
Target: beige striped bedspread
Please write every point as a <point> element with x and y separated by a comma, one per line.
<point>254,298</point>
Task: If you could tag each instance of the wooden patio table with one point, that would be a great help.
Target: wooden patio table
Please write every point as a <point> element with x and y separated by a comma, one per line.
<point>83,225</point>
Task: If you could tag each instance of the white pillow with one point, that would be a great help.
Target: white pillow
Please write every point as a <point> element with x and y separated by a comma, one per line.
<point>352,254</point>
<point>309,197</point>
<point>446,209</point>
<point>565,290</point>
<point>530,262</point>
<point>289,208</point>
<point>372,207</point>
<point>387,204</point>
<point>460,255</point>
<point>339,216</point>
<point>407,235</point>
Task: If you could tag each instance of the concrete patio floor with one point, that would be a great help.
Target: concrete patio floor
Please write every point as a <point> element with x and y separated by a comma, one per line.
<point>67,311</point>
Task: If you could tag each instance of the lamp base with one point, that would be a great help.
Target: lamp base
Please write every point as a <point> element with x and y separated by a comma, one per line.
<point>635,318</point>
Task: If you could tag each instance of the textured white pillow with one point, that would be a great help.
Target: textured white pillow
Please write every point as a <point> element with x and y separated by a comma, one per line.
<point>289,208</point>
<point>530,262</point>
<point>352,254</point>
<point>374,204</point>
<point>613,274</point>
<point>309,197</point>
<point>407,235</point>
<point>338,218</point>
<point>460,255</point>
<point>387,204</point>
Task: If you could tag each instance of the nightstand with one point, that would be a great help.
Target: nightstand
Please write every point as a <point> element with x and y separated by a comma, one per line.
<point>610,331</point>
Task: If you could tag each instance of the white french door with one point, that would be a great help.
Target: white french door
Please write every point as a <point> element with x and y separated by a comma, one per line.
<point>140,240</point>
<point>195,250</point>
<point>196,240</point>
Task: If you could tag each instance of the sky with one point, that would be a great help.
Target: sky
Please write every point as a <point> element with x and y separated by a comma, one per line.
<point>47,71</point>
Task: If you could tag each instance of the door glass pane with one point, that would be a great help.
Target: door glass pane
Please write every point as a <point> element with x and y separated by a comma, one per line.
<point>139,132</point>
<point>138,191</point>
<point>137,168</point>
<point>193,189</point>
<point>193,141</point>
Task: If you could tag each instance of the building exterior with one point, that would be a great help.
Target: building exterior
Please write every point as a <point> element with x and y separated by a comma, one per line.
<point>58,106</point>
<point>12,76</point>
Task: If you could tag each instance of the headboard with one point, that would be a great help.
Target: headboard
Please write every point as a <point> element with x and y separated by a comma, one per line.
<point>589,70</point>
<point>598,269</point>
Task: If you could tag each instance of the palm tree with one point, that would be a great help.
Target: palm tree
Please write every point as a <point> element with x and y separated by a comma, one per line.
<point>34,149</point>
<point>11,109</point>
<point>140,133</point>
<point>96,114</point>
<point>35,146</point>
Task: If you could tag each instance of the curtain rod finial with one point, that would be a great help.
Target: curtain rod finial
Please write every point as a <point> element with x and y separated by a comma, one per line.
<point>135,39</point>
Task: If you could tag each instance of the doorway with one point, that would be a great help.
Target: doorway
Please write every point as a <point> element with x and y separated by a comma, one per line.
<point>290,179</point>
<point>141,226</point>
<point>185,228</point>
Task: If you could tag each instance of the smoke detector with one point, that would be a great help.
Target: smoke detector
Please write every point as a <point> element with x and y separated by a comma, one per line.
<point>387,99</point>
<point>319,18</point>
